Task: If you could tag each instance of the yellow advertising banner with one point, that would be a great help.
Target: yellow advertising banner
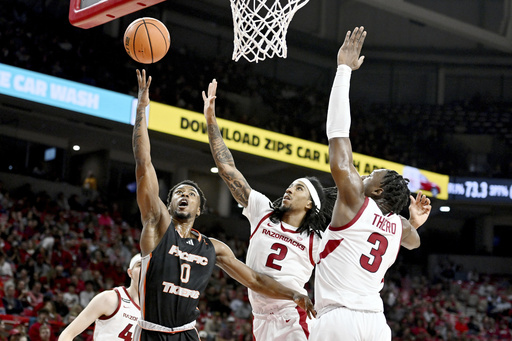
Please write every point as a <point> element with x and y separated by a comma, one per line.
<point>191,125</point>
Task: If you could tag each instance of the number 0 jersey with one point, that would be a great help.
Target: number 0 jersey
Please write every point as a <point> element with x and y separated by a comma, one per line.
<point>354,258</point>
<point>173,276</point>
<point>120,324</point>
<point>279,251</point>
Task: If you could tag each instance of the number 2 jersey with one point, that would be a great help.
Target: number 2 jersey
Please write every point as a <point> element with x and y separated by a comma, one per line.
<point>354,258</point>
<point>279,251</point>
<point>173,276</point>
<point>120,324</point>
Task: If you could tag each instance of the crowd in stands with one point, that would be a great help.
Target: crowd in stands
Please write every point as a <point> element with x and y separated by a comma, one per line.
<point>57,253</point>
<point>293,110</point>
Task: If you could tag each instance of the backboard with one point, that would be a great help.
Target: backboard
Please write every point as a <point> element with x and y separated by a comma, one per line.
<point>91,13</point>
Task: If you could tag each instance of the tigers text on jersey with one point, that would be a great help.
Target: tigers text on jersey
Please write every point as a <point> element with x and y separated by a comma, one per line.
<point>354,258</point>
<point>173,276</point>
<point>279,251</point>
<point>120,325</point>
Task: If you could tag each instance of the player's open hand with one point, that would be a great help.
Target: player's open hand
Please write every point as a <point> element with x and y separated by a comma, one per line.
<point>305,303</point>
<point>419,209</point>
<point>144,84</point>
<point>209,101</point>
<point>351,49</point>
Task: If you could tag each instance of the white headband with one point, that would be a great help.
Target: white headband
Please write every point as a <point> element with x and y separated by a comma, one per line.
<point>312,191</point>
<point>134,260</point>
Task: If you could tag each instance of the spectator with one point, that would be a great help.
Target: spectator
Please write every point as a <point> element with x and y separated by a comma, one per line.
<point>461,326</point>
<point>213,325</point>
<point>473,327</point>
<point>203,336</point>
<point>12,304</point>
<point>87,294</point>
<point>70,297</point>
<point>90,185</point>
<point>227,332</point>
<point>45,333</point>
<point>43,318</point>
<point>6,273</point>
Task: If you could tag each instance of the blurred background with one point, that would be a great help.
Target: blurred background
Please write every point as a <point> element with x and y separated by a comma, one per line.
<point>434,93</point>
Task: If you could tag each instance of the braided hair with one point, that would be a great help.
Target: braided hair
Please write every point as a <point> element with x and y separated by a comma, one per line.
<point>395,194</point>
<point>316,220</point>
<point>202,203</point>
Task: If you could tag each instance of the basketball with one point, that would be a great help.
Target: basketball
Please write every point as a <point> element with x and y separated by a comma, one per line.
<point>147,40</point>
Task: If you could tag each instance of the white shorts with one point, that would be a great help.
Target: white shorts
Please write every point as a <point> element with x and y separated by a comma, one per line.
<point>291,326</point>
<point>351,325</point>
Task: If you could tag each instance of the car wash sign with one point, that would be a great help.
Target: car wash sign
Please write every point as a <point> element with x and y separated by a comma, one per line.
<point>480,189</point>
<point>61,93</point>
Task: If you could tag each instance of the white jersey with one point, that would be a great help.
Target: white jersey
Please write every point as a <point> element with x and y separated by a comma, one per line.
<point>120,325</point>
<point>354,258</point>
<point>279,251</point>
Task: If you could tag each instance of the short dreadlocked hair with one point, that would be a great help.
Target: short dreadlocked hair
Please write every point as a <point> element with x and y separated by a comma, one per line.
<point>395,194</point>
<point>316,220</point>
<point>202,203</point>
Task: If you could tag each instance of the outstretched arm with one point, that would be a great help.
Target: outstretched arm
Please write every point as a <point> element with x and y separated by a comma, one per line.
<point>103,304</point>
<point>347,179</point>
<point>419,210</point>
<point>150,205</point>
<point>236,182</point>
<point>260,283</point>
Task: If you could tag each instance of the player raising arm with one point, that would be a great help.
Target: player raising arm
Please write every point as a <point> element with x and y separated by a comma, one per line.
<point>366,232</point>
<point>285,234</point>
<point>177,260</point>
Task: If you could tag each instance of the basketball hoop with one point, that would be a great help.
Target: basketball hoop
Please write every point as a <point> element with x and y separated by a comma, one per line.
<point>260,27</point>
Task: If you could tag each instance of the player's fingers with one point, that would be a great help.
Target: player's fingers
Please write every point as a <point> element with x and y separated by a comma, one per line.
<point>149,82</point>
<point>418,196</point>
<point>360,32</point>
<point>204,96</point>
<point>361,41</point>
<point>347,38</point>
<point>354,35</point>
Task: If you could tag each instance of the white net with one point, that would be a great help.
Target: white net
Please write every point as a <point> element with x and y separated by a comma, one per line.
<point>260,27</point>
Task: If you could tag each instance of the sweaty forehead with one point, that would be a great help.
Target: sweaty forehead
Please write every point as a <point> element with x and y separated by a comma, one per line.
<point>379,173</point>
<point>186,188</point>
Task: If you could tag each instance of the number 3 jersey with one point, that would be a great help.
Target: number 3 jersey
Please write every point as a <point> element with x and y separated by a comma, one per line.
<point>120,324</point>
<point>354,258</point>
<point>279,251</point>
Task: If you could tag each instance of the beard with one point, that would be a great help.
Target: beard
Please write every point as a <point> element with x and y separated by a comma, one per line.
<point>284,209</point>
<point>182,215</point>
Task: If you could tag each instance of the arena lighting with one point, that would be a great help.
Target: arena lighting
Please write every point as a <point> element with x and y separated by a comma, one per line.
<point>444,209</point>
<point>76,147</point>
<point>214,170</point>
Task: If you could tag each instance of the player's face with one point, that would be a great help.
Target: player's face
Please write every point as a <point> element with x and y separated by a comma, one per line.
<point>373,181</point>
<point>185,202</point>
<point>135,272</point>
<point>297,195</point>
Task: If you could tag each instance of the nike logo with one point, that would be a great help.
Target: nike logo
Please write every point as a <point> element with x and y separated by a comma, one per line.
<point>287,321</point>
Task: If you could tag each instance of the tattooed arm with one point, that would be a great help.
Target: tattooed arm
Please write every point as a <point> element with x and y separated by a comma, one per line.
<point>155,218</point>
<point>236,182</point>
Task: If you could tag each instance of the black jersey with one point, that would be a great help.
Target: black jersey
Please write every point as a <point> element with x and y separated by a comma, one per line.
<point>173,276</point>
